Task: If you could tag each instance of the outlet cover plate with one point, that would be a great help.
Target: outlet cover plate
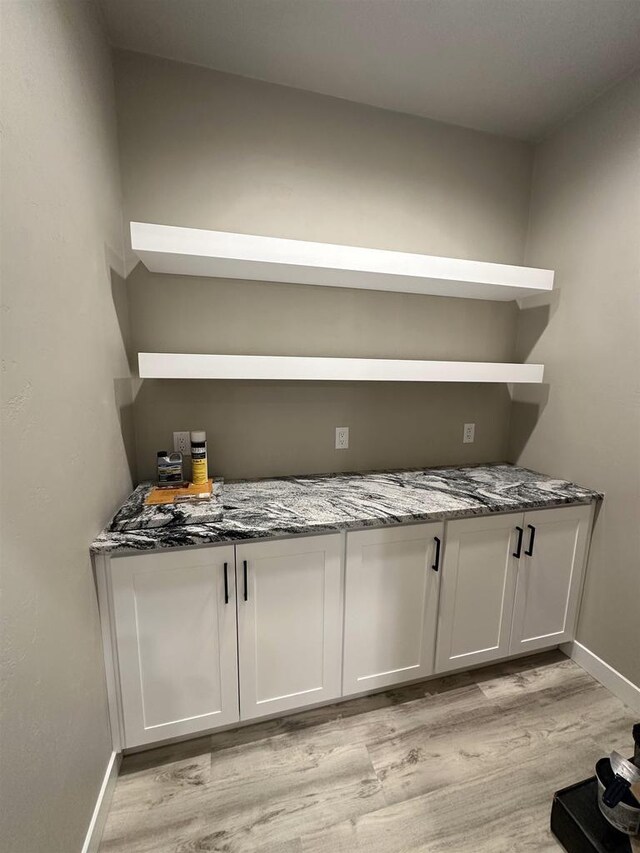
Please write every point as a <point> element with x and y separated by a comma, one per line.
<point>342,438</point>
<point>182,442</point>
<point>469,434</point>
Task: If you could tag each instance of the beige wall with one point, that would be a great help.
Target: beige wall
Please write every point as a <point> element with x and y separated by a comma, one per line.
<point>204,149</point>
<point>64,380</point>
<point>585,223</point>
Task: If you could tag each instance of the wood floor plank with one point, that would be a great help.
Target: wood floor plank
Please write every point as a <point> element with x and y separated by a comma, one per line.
<point>426,759</point>
<point>580,705</point>
<point>328,715</point>
<point>419,761</point>
<point>151,759</point>
<point>504,810</point>
<point>440,712</point>
<point>466,763</point>
<point>240,813</point>
<point>216,842</point>
<point>145,790</point>
<point>513,678</point>
<point>292,846</point>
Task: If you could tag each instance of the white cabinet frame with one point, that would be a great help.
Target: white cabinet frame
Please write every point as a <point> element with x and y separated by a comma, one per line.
<point>550,577</point>
<point>476,591</point>
<point>289,623</point>
<point>392,584</point>
<point>175,623</point>
<point>523,622</point>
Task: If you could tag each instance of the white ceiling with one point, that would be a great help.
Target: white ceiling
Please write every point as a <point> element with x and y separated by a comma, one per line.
<point>513,67</point>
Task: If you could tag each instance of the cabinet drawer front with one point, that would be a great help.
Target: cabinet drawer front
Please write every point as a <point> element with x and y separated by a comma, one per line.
<point>290,624</point>
<point>391,604</point>
<point>477,589</point>
<point>176,641</point>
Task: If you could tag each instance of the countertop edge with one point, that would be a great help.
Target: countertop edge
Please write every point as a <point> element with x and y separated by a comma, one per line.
<point>212,539</point>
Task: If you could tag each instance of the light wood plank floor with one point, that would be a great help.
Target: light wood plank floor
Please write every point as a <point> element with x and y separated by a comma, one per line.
<point>463,763</point>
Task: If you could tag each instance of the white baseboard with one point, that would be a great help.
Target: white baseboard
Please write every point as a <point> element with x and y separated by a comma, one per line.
<point>99,816</point>
<point>625,690</point>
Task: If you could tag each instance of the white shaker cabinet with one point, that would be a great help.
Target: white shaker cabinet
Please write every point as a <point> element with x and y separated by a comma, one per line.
<point>289,623</point>
<point>175,621</point>
<point>477,590</point>
<point>201,638</point>
<point>511,584</point>
<point>391,605</point>
<point>549,577</point>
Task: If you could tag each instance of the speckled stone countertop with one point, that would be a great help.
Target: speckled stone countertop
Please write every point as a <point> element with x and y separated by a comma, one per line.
<point>290,506</point>
<point>134,514</point>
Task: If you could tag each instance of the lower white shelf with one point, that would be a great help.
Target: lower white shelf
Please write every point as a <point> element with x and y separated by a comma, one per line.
<point>166,365</point>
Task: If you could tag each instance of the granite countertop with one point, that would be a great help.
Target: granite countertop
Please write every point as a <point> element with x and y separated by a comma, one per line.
<point>134,514</point>
<point>290,506</point>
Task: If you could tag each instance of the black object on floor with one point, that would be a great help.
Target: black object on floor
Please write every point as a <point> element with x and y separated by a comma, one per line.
<point>577,823</point>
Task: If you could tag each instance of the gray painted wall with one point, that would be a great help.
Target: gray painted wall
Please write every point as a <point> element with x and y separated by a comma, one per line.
<point>204,149</point>
<point>585,223</point>
<point>209,150</point>
<point>65,390</point>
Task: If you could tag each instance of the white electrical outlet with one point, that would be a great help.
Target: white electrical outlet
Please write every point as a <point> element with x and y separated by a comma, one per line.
<point>469,434</point>
<point>182,443</point>
<point>342,438</point>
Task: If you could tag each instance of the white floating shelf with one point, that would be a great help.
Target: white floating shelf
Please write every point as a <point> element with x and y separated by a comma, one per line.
<point>165,365</point>
<point>192,251</point>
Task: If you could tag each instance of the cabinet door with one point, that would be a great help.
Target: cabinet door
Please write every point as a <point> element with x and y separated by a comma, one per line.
<point>176,642</point>
<point>391,605</point>
<point>477,590</point>
<point>289,623</point>
<point>550,577</point>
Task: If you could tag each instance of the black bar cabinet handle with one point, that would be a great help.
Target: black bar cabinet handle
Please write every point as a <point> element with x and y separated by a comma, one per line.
<point>246,589</point>
<point>518,550</point>
<point>226,585</point>
<point>529,550</point>
<point>436,565</point>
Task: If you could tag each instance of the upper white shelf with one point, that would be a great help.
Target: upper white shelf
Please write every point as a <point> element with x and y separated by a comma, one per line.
<point>193,251</point>
<point>167,365</point>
